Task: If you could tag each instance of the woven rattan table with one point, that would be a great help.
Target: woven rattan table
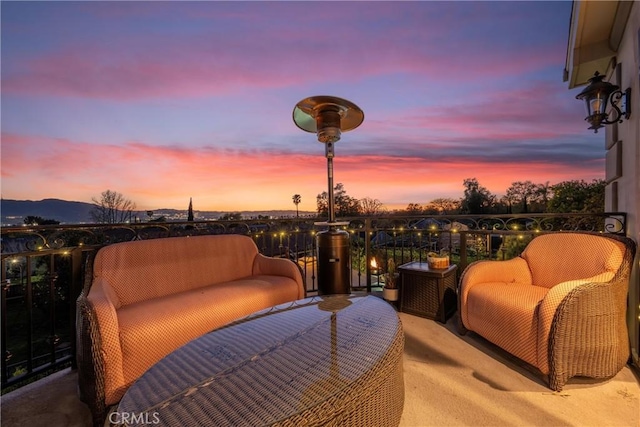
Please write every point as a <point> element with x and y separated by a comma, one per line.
<point>321,361</point>
<point>428,292</point>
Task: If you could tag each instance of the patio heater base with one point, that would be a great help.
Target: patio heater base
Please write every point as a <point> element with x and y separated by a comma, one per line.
<point>333,262</point>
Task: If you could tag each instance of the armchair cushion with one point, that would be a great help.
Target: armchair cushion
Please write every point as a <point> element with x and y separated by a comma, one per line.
<point>505,314</point>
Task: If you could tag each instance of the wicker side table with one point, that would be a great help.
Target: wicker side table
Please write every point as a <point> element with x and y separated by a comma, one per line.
<point>428,292</point>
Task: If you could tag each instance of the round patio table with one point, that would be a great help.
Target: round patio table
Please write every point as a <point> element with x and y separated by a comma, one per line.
<point>328,360</point>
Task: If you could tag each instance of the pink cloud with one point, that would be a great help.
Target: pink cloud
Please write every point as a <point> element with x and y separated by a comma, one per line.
<point>156,177</point>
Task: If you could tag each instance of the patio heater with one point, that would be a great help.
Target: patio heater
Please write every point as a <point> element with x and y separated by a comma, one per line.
<point>328,117</point>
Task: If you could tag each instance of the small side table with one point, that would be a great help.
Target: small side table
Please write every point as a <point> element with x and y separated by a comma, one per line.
<point>428,292</point>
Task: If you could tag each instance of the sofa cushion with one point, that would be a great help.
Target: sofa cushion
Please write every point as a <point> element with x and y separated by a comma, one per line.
<point>147,269</point>
<point>507,315</point>
<point>560,257</point>
<point>149,330</point>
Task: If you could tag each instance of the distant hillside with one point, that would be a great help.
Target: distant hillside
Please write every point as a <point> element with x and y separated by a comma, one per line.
<point>13,212</point>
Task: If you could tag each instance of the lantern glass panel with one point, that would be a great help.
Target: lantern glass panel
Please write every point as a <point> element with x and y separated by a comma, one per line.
<point>597,104</point>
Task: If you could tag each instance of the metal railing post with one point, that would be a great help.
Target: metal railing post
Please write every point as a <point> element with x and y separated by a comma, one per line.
<point>4,284</point>
<point>367,251</point>
<point>53,339</point>
<point>74,293</point>
<point>463,251</point>
<point>29,327</point>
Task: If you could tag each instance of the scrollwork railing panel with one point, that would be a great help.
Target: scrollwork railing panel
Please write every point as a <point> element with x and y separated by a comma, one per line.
<point>45,258</point>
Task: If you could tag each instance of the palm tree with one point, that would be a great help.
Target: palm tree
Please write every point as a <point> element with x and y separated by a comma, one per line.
<point>296,200</point>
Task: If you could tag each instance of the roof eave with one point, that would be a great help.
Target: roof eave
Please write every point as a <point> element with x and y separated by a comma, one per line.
<point>595,33</point>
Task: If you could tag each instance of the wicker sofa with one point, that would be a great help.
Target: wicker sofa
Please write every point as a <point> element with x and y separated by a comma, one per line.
<point>560,306</point>
<point>141,300</point>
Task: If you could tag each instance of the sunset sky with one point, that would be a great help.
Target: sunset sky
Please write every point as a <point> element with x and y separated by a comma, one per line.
<point>163,101</point>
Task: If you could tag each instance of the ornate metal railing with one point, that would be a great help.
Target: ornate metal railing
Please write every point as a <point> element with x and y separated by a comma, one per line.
<point>42,266</point>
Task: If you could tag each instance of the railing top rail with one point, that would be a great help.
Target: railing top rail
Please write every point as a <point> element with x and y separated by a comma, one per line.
<point>32,228</point>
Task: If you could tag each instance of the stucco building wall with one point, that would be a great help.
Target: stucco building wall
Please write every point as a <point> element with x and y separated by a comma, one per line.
<point>622,142</point>
<point>604,36</point>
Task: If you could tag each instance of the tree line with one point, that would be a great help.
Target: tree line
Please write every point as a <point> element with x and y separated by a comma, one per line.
<point>521,197</point>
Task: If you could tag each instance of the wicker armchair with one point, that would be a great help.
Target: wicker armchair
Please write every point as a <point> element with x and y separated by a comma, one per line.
<point>560,306</point>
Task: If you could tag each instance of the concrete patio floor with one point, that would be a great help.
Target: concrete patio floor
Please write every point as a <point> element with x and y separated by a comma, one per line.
<point>450,380</point>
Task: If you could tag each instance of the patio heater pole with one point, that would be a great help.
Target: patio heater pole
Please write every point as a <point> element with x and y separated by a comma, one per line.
<point>328,116</point>
<point>331,195</point>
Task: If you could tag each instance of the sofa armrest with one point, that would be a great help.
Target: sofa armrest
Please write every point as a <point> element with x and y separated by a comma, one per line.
<point>104,304</point>
<point>560,295</point>
<point>279,267</point>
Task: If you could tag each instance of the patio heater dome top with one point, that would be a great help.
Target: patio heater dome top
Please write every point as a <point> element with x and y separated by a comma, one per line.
<point>327,116</point>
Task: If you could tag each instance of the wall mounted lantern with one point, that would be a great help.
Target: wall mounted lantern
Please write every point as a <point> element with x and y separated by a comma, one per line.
<point>597,96</point>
